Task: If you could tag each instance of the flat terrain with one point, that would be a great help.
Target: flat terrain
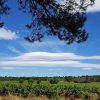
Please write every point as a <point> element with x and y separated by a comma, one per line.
<point>50,88</point>
<point>44,90</point>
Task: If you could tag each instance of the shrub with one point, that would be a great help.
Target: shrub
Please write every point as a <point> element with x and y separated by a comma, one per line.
<point>54,81</point>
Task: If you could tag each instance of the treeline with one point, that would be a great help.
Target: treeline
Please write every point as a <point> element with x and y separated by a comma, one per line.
<point>79,79</point>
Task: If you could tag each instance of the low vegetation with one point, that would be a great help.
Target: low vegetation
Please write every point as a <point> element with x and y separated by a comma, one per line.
<point>48,88</point>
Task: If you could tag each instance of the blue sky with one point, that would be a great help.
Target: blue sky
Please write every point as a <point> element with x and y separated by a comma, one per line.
<point>52,57</point>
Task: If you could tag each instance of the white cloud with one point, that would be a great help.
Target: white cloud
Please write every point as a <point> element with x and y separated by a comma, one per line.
<point>75,64</point>
<point>95,7</point>
<point>34,56</point>
<point>45,59</point>
<point>6,34</point>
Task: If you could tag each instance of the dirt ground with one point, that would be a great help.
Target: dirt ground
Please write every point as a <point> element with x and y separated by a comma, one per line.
<point>11,97</point>
<point>31,97</point>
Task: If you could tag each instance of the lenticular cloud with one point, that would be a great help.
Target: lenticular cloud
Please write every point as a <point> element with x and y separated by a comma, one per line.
<point>46,59</point>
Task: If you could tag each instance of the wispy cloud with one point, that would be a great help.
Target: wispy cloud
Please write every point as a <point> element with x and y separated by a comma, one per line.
<point>7,68</point>
<point>14,50</point>
<point>87,68</point>
<point>6,34</point>
<point>45,59</point>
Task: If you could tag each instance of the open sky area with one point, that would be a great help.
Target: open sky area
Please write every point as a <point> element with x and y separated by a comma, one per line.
<point>51,57</point>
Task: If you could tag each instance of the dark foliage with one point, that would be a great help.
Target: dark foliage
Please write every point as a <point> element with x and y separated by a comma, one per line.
<point>54,81</point>
<point>80,79</point>
<point>64,21</point>
<point>38,81</point>
<point>3,10</point>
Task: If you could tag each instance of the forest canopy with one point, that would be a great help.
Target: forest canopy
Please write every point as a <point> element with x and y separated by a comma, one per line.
<point>51,17</point>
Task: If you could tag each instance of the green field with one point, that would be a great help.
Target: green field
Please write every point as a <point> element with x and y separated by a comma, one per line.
<point>53,91</point>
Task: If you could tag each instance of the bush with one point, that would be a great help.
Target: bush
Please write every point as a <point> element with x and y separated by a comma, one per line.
<point>54,81</point>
